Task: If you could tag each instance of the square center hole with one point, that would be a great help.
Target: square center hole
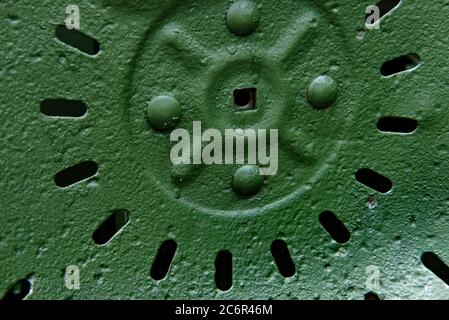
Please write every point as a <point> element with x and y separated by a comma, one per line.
<point>245,99</point>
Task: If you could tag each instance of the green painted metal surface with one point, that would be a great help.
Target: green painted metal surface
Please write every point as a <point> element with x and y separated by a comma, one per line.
<point>199,52</point>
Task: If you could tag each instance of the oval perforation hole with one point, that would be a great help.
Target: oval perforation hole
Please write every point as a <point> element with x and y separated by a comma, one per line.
<point>163,260</point>
<point>245,98</point>
<point>63,108</point>
<point>78,40</point>
<point>76,173</point>
<point>19,290</point>
<point>223,270</point>
<point>434,263</point>
<point>371,296</point>
<point>397,125</point>
<point>116,221</point>
<point>282,258</point>
<point>374,180</point>
<point>334,227</point>
<point>400,64</point>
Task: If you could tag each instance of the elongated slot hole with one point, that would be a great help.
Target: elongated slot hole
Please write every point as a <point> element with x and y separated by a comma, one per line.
<point>397,125</point>
<point>282,258</point>
<point>63,108</point>
<point>163,260</point>
<point>19,290</point>
<point>76,173</point>
<point>374,180</point>
<point>385,6</point>
<point>111,226</point>
<point>223,270</point>
<point>400,64</point>
<point>334,227</point>
<point>78,40</point>
<point>434,263</point>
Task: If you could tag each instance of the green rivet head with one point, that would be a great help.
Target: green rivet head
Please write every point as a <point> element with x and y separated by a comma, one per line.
<point>183,172</point>
<point>247,180</point>
<point>163,112</point>
<point>322,92</point>
<point>243,17</point>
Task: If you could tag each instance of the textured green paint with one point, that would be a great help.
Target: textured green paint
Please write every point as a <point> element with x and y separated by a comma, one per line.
<point>185,49</point>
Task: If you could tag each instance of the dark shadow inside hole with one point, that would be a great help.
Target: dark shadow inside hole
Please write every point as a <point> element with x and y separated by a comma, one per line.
<point>223,270</point>
<point>78,40</point>
<point>334,227</point>
<point>282,258</point>
<point>371,296</point>
<point>18,291</point>
<point>245,98</point>
<point>163,260</point>
<point>384,6</point>
<point>76,173</point>
<point>397,125</point>
<point>434,263</point>
<point>400,64</point>
<point>374,180</point>
<point>111,226</point>
<point>63,108</point>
